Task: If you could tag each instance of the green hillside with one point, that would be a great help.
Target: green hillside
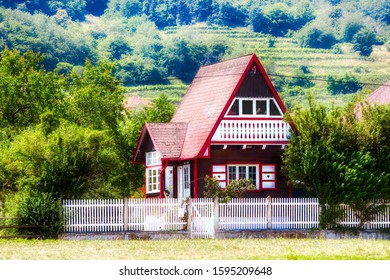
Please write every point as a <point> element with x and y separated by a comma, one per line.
<point>159,45</point>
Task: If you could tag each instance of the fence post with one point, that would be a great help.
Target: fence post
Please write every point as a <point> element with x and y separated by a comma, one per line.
<point>189,213</point>
<point>269,212</point>
<point>125,214</point>
<point>216,214</point>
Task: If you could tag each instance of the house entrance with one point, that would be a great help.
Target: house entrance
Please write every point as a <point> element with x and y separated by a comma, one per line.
<point>184,181</point>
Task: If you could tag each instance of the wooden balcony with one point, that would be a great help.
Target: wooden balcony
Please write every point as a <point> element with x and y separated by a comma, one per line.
<point>252,131</point>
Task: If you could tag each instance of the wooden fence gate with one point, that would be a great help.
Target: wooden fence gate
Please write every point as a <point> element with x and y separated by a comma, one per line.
<point>202,218</point>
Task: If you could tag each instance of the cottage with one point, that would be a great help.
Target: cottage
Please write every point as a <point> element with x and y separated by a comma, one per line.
<point>228,125</point>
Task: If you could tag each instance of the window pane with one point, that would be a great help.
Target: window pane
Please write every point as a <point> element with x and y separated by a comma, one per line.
<point>252,174</point>
<point>242,172</point>
<point>234,109</point>
<point>261,107</point>
<point>274,111</point>
<point>247,107</point>
<point>232,173</point>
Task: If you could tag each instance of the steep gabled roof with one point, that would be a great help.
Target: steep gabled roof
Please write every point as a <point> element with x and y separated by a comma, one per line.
<point>201,109</point>
<point>208,97</point>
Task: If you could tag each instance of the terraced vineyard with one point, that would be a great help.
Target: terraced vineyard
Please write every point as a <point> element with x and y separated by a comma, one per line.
<point>281,57</point>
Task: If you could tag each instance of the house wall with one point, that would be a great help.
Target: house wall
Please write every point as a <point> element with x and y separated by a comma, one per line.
<point>235,154</point>
<point>254,86</point>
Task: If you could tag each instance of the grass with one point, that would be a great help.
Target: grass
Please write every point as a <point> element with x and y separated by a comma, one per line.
<point>209,249</point>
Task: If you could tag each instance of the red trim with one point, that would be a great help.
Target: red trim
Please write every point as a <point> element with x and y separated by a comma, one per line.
<point>196,178</point>
<point>274,173</point>
<point>275,143</point>
<point>274,92</point>
<point>268,118</point>
<point>232,96</point>
<point>227,105</point>
<point>140,139</point>
<point>162,178</point>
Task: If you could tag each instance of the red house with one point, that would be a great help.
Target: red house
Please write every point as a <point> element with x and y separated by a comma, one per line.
<point>228,125</point>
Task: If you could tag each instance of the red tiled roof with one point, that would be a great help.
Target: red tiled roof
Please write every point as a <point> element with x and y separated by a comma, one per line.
<point>205,100</point>
<point>135,101</point>
<point>380,96</point>
<point>203,105</point>
<point>167,138</point>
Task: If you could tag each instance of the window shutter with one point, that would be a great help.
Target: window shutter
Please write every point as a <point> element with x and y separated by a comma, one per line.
<point>219,173</point>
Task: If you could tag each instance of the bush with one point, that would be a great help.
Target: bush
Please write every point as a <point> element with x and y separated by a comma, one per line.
<point>344,85</point>
<point>313,37</point>
<point>33,207</point>
<point>234,189</point>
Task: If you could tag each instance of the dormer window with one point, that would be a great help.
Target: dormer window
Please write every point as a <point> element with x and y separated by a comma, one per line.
<point>254,107</point>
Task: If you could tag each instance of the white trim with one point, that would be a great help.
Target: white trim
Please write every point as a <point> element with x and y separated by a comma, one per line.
<point>247,176</point>
<point>154,186</point>
<point>240,113</point>
<point>152,159</point>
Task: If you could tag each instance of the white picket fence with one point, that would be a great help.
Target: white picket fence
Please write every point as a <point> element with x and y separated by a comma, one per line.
<point>202,216</point>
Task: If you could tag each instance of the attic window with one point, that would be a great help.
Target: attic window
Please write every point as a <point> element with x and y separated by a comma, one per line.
<point>152,159</point>
<point>254,107</point>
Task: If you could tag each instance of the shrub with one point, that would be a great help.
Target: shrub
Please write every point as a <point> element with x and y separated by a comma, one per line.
<point>33,207</point>
<point>234,189</point>
<point>344,85</point>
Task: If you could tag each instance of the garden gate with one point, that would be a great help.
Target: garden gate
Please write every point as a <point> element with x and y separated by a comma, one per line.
<point>202,218</point>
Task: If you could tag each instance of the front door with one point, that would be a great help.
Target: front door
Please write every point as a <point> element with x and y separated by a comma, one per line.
<point>184,181</point>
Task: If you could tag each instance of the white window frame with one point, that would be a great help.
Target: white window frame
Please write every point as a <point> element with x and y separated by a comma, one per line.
<point>153,186</point>
<point>253,100</point>
<point>237,175</point>
<point>152,159</point>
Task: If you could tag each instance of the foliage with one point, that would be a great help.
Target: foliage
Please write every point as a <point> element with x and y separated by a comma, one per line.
<point>363,41</point>
<point>234,189</point>
<point>272,19</point>
<point>339,158</point>
<point>41,209</point>
<point>344,85</point>
<point>329,216</point>
<point>26,89</point>
<point>70,162</point>
<point>312,36</point>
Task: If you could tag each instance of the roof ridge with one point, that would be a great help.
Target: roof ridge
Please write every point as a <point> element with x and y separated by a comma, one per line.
<point>227,60</point>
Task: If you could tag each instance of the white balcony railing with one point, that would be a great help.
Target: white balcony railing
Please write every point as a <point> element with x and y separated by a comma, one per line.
<point>252,131</point>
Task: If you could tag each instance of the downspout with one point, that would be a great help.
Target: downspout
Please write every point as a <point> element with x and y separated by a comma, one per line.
<point>162,178</point>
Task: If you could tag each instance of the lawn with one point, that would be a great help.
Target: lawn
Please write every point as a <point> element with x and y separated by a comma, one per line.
<point>209,249</point>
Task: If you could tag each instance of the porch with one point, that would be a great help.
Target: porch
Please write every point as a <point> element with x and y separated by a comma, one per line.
<point>252,131</point>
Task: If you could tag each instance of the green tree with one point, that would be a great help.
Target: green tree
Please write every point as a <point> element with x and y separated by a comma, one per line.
<point>95,97</point>
<point>344,85</point>
<point>363,41</point>
<point>316,37</point>
<point>26,89</point>
<point>332,157</point>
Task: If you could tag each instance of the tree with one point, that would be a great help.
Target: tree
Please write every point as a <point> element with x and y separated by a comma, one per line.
<point>95,97</point>
<point>363,41</point>
<point>314,37</point>
<point>227,14</point>
<point>119,47</point>
<point>69,162</point>
<point>343,85</point>
<point>26,89</point>
<point>332,158</point>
